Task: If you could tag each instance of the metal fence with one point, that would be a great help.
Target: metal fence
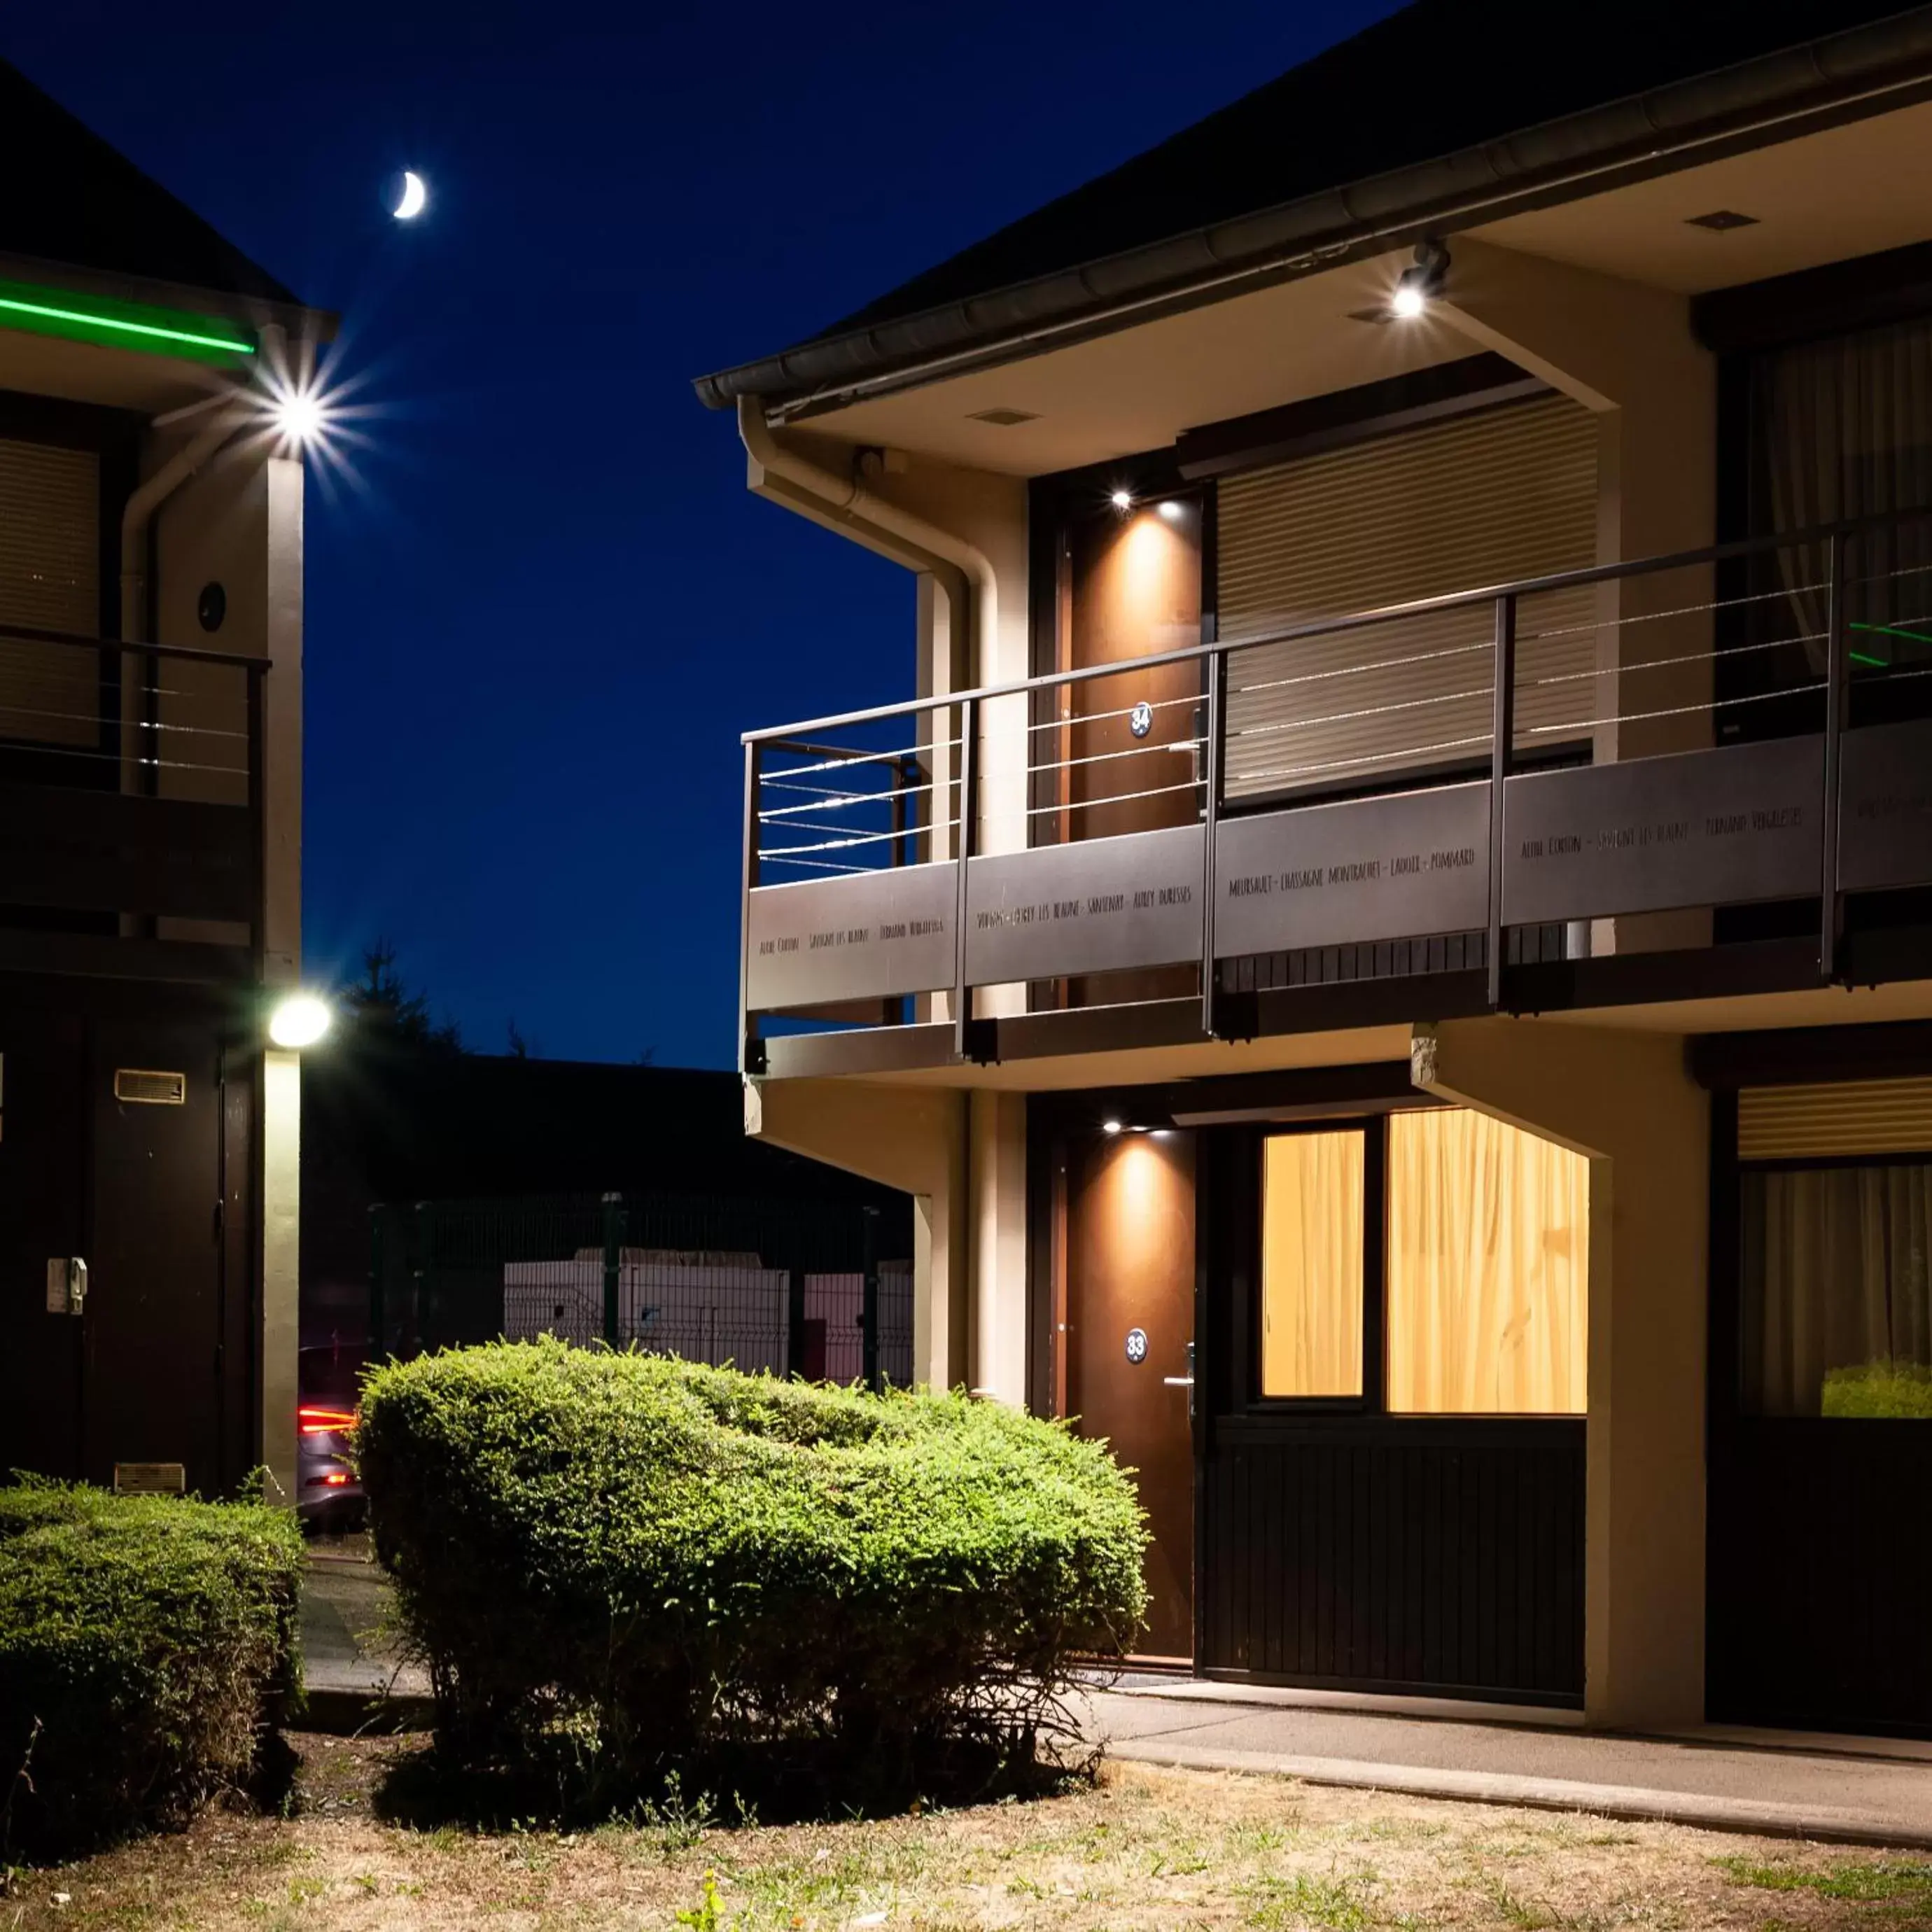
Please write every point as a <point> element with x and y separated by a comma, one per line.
<point>796,1288</point>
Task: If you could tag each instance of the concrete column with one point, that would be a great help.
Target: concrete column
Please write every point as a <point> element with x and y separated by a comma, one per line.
<point>281,1250</point>
<point>1626,1101</point>
<point>997,1339</point>
<point>1627,352</point>
<point>910,1137</point>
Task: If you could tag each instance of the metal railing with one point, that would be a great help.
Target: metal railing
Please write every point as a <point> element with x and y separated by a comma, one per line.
<point>1519,671</point>
<point>131,786</point>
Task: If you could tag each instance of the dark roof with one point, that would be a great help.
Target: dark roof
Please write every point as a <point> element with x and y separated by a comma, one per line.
<point>1439,79</point>
<point>89,207</point>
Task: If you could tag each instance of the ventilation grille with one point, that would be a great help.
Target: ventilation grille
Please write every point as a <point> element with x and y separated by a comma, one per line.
<point>142,1087</point>
<point>1857,1116</point>
<point>1509,494</point>
<point>49,580</point>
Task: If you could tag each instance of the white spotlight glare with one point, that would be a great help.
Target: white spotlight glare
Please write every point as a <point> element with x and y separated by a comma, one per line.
<point>299,1021</point>
<point>1121,500</point>
<point>1110,1127</point>
<point>298,416</point>
<point>1171,510</point>
<point>1408,301</point>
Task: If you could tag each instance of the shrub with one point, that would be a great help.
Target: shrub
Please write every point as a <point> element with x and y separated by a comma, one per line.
<point>144,1642</point>
<point>1879,1389</point>
<point>627,1559</point>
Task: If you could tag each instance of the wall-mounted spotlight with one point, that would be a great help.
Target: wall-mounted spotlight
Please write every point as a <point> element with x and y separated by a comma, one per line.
<point>1421,282</point>
<point>1121,500</point>
<point>298,1020</point>
<point>1110,1127</point>
<point>1171,510</point>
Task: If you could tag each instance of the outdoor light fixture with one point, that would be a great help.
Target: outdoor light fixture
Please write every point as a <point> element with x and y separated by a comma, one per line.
<point>1420,282</point>
<point>298,1021</point>
<point>1121,500</point>
<point>298,415</point>
<point>1110,1127</point>
<point>1171,510</point>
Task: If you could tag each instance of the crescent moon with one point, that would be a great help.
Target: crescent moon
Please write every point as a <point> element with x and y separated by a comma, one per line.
<point>414,195</point>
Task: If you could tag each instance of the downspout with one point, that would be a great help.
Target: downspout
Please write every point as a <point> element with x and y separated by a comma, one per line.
<point>958,564</point>
<point>972,591</point>
<point>147,497</point>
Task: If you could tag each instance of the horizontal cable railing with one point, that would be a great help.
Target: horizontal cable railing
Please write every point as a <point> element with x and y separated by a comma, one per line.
<point>132,778</point>
<point>1767,638</point>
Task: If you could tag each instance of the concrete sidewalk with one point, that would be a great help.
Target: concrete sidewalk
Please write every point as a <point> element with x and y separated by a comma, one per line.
<point>1850,1790</point>
<point>350,1669</point>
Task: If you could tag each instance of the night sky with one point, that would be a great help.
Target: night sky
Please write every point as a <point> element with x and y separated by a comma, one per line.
<point>545,607</point>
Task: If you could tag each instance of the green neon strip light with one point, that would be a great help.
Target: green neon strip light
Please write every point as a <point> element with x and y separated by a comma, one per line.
<point>184,336</point>
<point>124,325</point>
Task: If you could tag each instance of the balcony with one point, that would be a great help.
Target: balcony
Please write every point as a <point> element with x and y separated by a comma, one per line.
<point>130,809</point>
<point>1697,776</point>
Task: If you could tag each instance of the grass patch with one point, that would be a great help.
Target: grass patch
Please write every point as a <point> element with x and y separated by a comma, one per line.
<point>1867,1880</point>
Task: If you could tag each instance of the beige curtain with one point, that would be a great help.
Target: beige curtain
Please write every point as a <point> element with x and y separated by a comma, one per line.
<point>1836,1275</point>
<point>1488,1269</point>
<point>1312,1264</point>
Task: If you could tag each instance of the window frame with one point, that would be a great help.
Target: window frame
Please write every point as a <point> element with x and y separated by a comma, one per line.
<point>1728,1367</point>
<point>1374,1130</point>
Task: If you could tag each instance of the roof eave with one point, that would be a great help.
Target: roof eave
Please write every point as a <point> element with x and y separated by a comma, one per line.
<point>1841,77</point>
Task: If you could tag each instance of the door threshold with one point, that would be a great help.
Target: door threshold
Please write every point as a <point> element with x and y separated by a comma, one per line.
<point>1362,1703</point>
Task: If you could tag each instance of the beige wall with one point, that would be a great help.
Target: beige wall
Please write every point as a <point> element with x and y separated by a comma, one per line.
<point>281,1244</point>
<point>1628,1102</point>
<point>238,523</point>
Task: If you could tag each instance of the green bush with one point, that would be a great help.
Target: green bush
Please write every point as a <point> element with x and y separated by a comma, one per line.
<point>624,1560</point>
<point>1876,1390</point>
<point>144,1642</point>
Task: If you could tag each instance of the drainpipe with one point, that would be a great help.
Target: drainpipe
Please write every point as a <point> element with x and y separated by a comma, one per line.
<point>971,587</point>
<point>961,567</point>
<point>149,496</point>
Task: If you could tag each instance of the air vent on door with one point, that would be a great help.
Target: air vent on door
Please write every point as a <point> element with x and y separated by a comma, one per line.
<point>141,1087</point>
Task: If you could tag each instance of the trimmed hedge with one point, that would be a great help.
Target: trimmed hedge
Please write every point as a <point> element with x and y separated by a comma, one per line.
<point>611,1561</point>
<point>146,1642</point>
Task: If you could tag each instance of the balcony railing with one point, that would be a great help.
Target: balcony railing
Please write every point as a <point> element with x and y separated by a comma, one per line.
<point>1746,724</point>
<point>130,808</point>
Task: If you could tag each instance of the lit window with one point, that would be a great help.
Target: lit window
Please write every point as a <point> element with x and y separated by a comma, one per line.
<point>1312,1264</point>
<point>1489,1238</point>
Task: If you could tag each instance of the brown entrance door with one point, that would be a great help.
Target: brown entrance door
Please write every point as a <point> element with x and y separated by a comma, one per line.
<point>1130,1322</point>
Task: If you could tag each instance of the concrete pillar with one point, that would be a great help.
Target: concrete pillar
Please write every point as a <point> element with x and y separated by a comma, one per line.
<point>281,1251</point>
<point>1626,1101</point>
<point>910,1137</point>
<point>1627,352</point>
<point>998,1337</point>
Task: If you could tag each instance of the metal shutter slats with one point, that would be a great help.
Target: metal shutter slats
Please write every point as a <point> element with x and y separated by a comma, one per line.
<point>1487,499</point>
<point>1853,1117</point>
<point>49,580</point>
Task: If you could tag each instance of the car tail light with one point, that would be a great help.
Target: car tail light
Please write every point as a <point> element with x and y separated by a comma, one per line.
<point>324,1421</point>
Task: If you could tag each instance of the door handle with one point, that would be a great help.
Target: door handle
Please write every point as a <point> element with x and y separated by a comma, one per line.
<point>1186,1382</point>
<point>1178,1381</point>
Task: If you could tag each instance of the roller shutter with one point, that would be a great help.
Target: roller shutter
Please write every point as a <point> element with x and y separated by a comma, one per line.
<point>1508,494</point>
<point>1848,1118</point>
<point>49,580</point>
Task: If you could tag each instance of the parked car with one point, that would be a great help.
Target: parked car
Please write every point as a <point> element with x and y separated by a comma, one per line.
<point>327,1382</point>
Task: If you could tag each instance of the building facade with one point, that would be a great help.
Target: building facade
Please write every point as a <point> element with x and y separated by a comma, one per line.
<point>1390,940</point>
<point>150,613</point>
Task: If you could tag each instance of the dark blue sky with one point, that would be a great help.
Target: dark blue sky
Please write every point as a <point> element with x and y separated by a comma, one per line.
<point>536,629</point>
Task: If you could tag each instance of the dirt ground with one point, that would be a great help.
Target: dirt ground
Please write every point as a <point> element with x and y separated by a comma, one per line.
<point>1147,1848</point>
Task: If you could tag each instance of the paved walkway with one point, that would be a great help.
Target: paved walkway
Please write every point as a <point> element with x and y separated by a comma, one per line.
<point>1855,1790</point>
<point>349,1666</point>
